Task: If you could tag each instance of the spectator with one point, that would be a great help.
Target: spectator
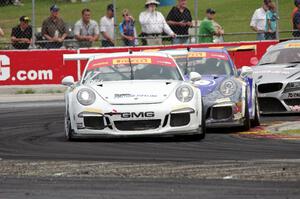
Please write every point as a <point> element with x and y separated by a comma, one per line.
<point>86,31</point>
<point>54,29</point>
<point>180,20</point>
<point>1,32</point>
<point>271,25</point>
<point>127,29</point>
<point>218,28</point>
<point>207,29</point>
<point>258,21</point>
<point>293,13</point>
<point>296,20</point>
<point>154,24</point>
<point>107,27</point>
<point>18,3</point>
<point>21,35</point>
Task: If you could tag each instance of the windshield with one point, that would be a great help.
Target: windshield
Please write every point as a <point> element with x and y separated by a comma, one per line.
<point>282,56</point>
<point>131,68</point>
<point>205,64</point>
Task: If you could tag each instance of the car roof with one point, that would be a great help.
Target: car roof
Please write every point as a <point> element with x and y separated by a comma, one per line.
<point>284,45</point>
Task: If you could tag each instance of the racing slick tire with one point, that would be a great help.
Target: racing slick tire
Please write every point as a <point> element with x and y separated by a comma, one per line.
<point>256,121</point>
<point>203,127</point>
<point>247,123</point>
<point>69,132</point>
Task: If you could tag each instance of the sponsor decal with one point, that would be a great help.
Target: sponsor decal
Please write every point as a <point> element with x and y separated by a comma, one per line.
<point>222,100</point>
<point>148,114</point>
<point>293,45</point>
<point>207,55</point>
<point>293,95</point>
<point>133,95</point>
<point>123,96</point>
<point>272,72</point>
<point>197,54</point>
<point>22,75</point>
<point>132,60</point>
<point>4,68</point>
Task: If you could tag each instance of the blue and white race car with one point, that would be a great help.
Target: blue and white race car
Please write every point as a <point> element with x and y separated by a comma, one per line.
<point>229,95</point>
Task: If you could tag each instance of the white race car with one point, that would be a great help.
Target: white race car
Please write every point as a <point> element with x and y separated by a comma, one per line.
<point>132,94</point>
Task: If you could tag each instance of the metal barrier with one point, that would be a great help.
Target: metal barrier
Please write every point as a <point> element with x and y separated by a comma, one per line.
<point>133,24</point>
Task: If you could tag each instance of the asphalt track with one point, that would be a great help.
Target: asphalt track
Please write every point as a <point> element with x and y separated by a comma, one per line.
<point>34,132</point>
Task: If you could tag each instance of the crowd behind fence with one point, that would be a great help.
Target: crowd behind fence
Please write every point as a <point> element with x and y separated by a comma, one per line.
<point>76,25</point>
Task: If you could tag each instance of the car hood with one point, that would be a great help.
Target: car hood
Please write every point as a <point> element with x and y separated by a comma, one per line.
<point>209,83</point>
<point>135,91</point>
<point>276,72</point>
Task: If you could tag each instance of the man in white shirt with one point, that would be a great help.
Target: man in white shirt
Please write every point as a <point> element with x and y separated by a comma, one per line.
<point>259,20</point>
<point>107,27</point>
<point>154,24</point>
<point>86,31</point>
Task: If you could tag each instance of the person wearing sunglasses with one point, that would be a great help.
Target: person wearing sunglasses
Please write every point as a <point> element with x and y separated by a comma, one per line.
<point>127,29</point>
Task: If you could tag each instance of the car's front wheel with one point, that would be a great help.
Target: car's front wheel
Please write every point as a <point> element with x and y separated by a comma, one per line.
<point>256,120</point>
<point>247,122</point>
<point>68,128</point>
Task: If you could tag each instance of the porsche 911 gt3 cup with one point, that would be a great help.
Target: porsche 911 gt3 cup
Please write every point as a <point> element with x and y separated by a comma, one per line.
<point>278,79</point>
<point>229,99</point>
<point>132,94</point>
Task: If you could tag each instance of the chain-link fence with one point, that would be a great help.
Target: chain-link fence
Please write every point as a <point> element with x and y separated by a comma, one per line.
<point>90,23</point>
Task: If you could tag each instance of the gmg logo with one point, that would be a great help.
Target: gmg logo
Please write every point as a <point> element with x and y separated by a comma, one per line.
<point>4,68</point>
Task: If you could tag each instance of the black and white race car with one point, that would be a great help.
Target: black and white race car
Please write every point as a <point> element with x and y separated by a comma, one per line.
<point>278,78</point>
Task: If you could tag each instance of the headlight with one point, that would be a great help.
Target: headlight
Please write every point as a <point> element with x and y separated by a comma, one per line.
<point>228,87</point>
<point>293,85</point>
<point>184,93</point>
<point>86,97</point>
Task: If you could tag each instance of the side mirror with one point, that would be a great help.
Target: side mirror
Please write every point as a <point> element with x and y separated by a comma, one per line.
<point>246,71</point>
<point>68,81</point>
<point>194,76</point>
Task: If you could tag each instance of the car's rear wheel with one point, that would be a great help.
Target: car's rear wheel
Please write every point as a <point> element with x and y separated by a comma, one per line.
<point>256,120</point>
<point>68,128</point>
<point>247,122</point>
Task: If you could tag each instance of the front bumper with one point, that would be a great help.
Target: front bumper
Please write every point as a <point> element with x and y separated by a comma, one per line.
<point>225,115</point>
<point>137,120</point>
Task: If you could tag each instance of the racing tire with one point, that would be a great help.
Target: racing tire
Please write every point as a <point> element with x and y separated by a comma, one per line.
<point>247,122</point>
<point>202,128</point>
<point>69,132</point>
<point>256,121</point>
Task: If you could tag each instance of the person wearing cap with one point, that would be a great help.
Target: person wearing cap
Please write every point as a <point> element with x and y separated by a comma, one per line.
<point>296,20</point>
<point>21,35</point>
<point>86,31</point>
<point>259,20</point>
<point>154,24</point>
<point>127,29</point>
<point>54,29</point>
<point>207,29</point>
<point>107,27</point>
<point>180,20</point>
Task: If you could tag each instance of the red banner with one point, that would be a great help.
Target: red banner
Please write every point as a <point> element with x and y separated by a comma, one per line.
<point>31,67</point>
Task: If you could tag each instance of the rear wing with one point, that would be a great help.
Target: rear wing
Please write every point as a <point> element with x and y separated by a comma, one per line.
<point>78,57</point>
